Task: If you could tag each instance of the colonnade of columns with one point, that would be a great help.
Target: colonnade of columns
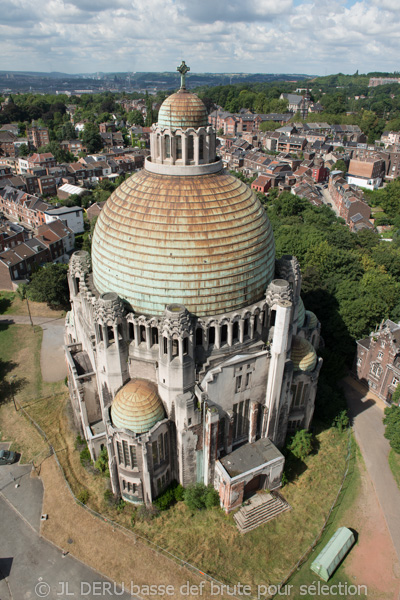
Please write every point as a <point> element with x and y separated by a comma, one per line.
<point>183,147</point>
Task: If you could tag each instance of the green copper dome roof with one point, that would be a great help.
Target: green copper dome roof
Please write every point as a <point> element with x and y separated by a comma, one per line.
<point>301,315</point>
<point>312,319</point>
<point>137,407</point>
<point>181,110</point>
<point>303,355</point>
<point>203,241</point>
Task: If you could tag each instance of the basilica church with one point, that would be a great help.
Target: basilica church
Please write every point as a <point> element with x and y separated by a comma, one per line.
<point>190,353</point>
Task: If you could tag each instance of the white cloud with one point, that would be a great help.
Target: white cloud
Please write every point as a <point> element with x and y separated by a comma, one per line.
<point>240,35</point>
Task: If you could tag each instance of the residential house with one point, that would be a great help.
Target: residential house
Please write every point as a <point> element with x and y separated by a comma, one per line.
<point>37,136</point>
<point>17,264</point>
<point>11,235</point>
<point>261,184</point>
<point>72,216</point>
<point>58,238</point>
<point>7,140</point>
<point>367,172</point>
<point>377,362</point>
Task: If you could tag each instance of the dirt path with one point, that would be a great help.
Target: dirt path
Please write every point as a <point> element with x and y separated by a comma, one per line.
<point>373,561</point>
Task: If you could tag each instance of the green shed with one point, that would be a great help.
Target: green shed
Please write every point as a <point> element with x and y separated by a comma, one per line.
<point>329,558</point>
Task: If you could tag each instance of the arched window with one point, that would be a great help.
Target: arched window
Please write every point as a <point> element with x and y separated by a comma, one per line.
<point>199,336</point>
<point>224,334</point>
<point>178,139</point>
<point>246,327</point>
<point>154,336</point>
<point>167,146</point>
<point>175,347</point>
<point>190,147</point>
<point>142,333</point>
<point>235,332</point>
<point>211,335</point>
<point>201,147</point>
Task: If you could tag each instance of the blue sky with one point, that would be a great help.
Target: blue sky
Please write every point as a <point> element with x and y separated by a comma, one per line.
<point>267,36</point>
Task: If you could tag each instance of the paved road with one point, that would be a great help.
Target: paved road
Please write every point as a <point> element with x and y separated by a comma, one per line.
<point>32,568</point>
<point>368,428</point>
<point>52,359</point>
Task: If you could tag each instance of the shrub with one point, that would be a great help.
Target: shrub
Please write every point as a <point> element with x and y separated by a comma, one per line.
<point>199,496</point>
<point>79,441</point>
<point>301,444</point>
<point>83,496</point>
<point>173,493</point>
<point>85,457</point>
<point>101,463</point>
<point>341,421</point>
<point>121,505</point>
<point>109,497</point>
<point>392,423</point>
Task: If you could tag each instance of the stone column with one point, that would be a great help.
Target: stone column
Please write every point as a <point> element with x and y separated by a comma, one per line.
<point>196,149</point>
<point>184,148</point>
<point>147,494</point>
<point>173,149</point>
<point>277,365</point>
<point>251,327</point>
<point>148,337</point>
<point>218,335</point>
<point>180,349</point>
<point>137,334</point>
<point>230,334</point>
<point>241,331</point>
<point>254,408</point>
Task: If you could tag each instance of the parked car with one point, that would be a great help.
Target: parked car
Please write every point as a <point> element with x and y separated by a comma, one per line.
<point>7,457</point>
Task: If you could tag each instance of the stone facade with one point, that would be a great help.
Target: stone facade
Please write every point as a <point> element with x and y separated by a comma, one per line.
<point>226,381</point>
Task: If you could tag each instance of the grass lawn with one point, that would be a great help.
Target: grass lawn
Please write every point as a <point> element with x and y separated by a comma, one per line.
<point>11,304</point>
<point>394,464</point>
<point>209,539</point>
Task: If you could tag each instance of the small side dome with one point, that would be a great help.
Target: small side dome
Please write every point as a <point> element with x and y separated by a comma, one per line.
<point>181,110</point>
<point>301,315</point>
<point>312,320</point>
<point>137,406</point>
<point>303,355</point>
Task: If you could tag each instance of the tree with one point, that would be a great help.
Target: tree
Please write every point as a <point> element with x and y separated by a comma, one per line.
<point>92,138</point>
<point>301,444</point>
<point>135,117</point>
<point>61,155</point>
<point>200,496</point>
<point>23,150</point>
<point>340,165</point>
<point>49,284</point>
<point>392,423</point>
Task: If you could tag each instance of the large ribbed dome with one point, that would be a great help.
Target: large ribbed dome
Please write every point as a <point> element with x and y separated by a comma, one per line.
<point>137,406</point>
<point>182,109</point>
<point>202,241</point>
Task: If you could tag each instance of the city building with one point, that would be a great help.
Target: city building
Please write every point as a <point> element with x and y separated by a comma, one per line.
<point>377,363</point>
<point>190,353</point>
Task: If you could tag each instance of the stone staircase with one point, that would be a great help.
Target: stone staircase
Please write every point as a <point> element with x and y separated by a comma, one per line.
<point>259,509</point>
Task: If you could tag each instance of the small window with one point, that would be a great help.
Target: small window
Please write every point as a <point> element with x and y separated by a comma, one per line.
<point>190,147</point>
<point>178,147</point>
<point>175,348</point>
<point>185,345</point>
<point>199,336</point>
<point>238,383</point>
<point>211,335</point>
<point>126,453</point>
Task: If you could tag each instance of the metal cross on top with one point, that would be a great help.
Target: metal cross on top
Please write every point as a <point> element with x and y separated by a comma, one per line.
<point>183,69</point>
